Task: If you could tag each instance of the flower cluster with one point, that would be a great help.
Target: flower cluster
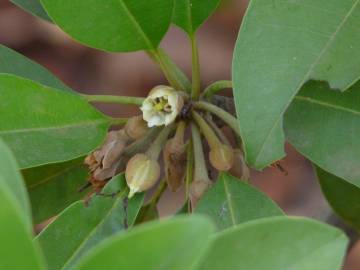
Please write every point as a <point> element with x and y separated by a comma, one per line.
<point>164,128</point>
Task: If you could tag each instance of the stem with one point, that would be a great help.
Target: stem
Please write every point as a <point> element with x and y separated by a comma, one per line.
<point>189,168</point>
<point>217,130</point>
<point>178,74</point>
<point>180,132</point>
<point>155,148</point>
<point>143,143</point>
<point>207,131</point>
<point>224,115</point>
<point>118,121</point>
<point>157,195</point>
<point>170,74</point>
<point>215,87</point>
<point>200,166</point>
<point>196,83</point>
<point>114,99</point>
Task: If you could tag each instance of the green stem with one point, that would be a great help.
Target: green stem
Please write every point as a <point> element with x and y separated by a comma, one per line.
<point>155,148</point>
<point>119,121</point>
<point>215,87</point>
<point>217,130</point>
<point>223,115</point>
<point>157,195</point>
<point>200,165</point>
<point>196,83</point>
<point>207,131</point>
<point>189,168</point>
<point>114,99</point>
<point>182,80</point>
<point>168,70</point>
<point>143,143</point>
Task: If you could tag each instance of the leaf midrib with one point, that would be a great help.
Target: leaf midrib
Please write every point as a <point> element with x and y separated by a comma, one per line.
<point>326,104</point>
<point>136,24</point>
<point>230,202</point>
<point>79,124</point>
<point>311,68</point>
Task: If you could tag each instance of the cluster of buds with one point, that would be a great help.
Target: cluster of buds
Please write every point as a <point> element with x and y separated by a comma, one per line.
<point>165,128</point>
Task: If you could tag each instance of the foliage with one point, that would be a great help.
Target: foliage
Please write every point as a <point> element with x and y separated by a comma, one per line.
<point>295,77</point>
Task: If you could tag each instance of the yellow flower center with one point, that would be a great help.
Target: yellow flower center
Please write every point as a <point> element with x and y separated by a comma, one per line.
<point>161,104</point>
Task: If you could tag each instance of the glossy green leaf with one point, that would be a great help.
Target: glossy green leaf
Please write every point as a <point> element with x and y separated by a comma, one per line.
<point>343,197</point>
<point>277,243</point>
<point>15,63</point>
<point>32,6</point>
<point>231,202</point>
<point>17,251</point>
<point>53,187</point>
<point>174,244</point>
<point>324,126</point>
<point>118,25</point>
<point>282,44</point>
<point>43,125</point>
<point>83,227</point>
<point>12,183</point>
<point>191,14</point>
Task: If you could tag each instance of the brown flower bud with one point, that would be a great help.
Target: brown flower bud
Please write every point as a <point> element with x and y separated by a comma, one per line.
<point>141,173</point>
<point>103,162</point>
<point>239,168</point>
<point>197,189</point>
<point>136,127</point>
<point>222,157</point>
<point>175,163</point>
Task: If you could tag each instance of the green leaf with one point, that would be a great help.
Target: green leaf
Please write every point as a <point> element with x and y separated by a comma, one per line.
<point>324,126</point>
<point>14,63</point>
<point>32,6</point>
<point>282,44</point>
<point>54,187</point>
<point>117,26</point>
<point>11,183</point>
<point>174,244</point>
<point>343,197</point>
<point>191,14</point>
<point>83,227</point>
<point>277,243</point>
<point>231,202</point>
<point>43,125</point>
<point>16,249</point>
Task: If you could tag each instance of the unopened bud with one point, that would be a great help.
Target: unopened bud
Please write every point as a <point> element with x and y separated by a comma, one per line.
<point>141,173</point>
<point>136,127</point>
<point>222,157</point>
<point>175,163</point>
<point>239,168</point>
<point>197,189</point>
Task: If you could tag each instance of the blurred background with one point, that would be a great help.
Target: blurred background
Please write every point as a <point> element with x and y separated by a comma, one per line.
<point>94,72</point>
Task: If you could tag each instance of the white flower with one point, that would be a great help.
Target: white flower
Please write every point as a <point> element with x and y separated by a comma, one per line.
<point>162,106</point>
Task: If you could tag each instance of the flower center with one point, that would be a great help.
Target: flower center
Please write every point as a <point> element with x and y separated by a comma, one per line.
<point>161,104</point>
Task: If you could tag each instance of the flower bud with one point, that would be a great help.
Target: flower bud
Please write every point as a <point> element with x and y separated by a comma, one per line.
<point>197,189</point>
<point>175,163</point>
<point>162,106</point>
<point>136,127</point>
<point>141,173</point>
<point>239,168</point>
<point>103,162</point>
<point>222,157</point>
